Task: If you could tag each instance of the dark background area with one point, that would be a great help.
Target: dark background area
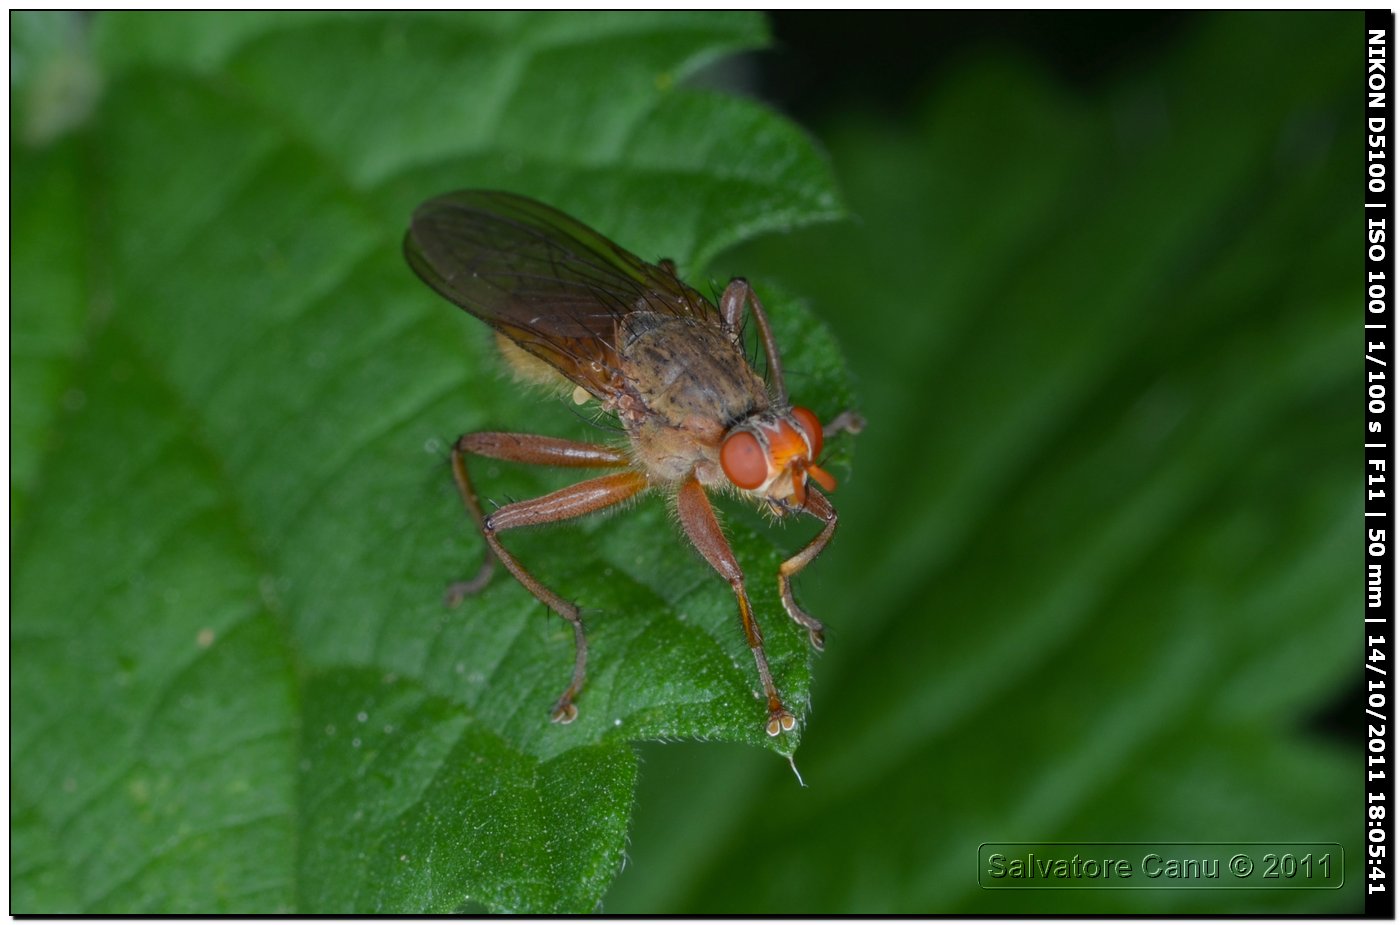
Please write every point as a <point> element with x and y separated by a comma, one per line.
<point>825,63</point>
<point>885,62</point>
<point>1021,185</point>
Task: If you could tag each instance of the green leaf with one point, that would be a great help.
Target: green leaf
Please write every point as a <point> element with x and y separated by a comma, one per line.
<point>236,687</point>
<point>1099,569</point>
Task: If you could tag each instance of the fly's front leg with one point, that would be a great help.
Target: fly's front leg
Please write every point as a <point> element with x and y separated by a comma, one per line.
<point>818,507</point>
<point>731,306</point>
<point>523,448</point>
<point>847,422</point>
<point>698,519</point>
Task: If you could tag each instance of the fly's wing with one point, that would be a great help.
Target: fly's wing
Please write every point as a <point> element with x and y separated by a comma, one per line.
<point>554,286</point>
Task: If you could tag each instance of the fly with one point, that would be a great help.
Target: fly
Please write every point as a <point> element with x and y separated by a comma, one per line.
<point>572,308</point>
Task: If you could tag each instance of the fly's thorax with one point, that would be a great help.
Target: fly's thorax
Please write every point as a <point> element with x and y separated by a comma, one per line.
<point>687,375</point>
<point>684,383</point>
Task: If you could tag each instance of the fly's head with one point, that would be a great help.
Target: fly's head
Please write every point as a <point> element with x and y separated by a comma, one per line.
<point>772,454</point>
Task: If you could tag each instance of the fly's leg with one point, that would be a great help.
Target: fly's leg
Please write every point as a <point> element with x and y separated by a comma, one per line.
<point>820,508</point>
<point>847,422</point>
<point>523,448</point>
<point>731,307</point>
<point>565,504</point>
<point>698,519</point>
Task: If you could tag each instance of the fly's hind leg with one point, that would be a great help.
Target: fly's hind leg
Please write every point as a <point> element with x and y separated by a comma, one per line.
<point>574,501</point>
<point>532,449</point>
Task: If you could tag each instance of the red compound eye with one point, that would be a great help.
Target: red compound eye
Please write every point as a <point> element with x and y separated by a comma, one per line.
<point>811,427</point>
<point>743,460</point>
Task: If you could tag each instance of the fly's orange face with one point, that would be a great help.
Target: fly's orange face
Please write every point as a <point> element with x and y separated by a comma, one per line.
<point>774,456</point>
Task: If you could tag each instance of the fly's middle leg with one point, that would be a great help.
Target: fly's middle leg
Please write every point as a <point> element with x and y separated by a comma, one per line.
<point>698,519</point>
<point>731,308</point>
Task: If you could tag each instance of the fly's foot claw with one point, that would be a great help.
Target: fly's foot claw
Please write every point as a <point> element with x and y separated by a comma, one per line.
<point>780,721</point>
<point>816,632</point>
<point>564,711</point>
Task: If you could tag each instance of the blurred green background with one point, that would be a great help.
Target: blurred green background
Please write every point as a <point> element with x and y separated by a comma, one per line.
<point>1097,571</point>
<point>1097,576</point>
